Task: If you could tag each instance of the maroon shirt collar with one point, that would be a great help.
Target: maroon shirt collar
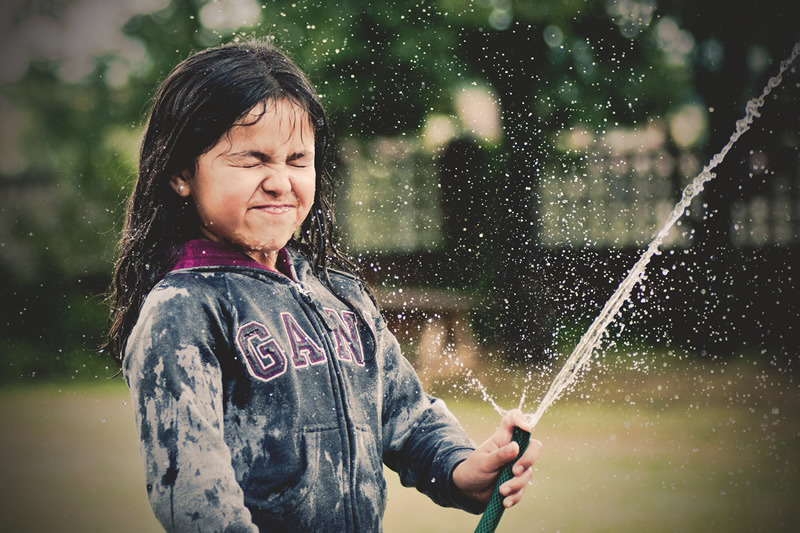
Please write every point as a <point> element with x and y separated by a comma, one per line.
<point>199,253</point>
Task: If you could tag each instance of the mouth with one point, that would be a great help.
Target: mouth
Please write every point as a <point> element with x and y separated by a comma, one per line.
<point>274,209</point>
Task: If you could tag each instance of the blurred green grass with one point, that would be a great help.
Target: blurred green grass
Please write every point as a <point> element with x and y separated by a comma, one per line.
<point>684,446</point>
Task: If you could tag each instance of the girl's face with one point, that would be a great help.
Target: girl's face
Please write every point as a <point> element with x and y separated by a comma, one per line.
<point>255,187</point>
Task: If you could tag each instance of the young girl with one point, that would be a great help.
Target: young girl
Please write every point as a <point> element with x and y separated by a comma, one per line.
<point>267,390</point>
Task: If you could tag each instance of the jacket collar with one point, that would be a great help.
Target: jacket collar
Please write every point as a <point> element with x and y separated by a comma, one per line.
<point>203,253</point>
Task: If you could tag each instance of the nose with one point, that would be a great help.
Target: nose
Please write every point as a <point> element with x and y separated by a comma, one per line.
<point>277,180</point>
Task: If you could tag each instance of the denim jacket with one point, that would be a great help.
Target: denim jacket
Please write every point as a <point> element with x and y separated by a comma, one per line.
<point>264,402</point>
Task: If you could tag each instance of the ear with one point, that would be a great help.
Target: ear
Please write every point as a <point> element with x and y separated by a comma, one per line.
<point>181,184</point>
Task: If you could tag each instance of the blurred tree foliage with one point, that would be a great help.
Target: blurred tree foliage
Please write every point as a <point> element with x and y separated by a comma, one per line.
<point>382,69</point>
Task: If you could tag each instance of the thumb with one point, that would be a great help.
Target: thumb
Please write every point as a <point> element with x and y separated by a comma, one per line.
<point>502,456</point>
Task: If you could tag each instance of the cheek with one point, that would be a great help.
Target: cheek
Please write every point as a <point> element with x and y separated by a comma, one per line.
<point>305,190</point>
<point>216,206</point>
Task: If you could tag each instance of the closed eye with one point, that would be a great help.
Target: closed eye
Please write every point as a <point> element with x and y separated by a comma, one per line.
<point>247,159</point>
<point>252,159</point>
<point>300,160</point>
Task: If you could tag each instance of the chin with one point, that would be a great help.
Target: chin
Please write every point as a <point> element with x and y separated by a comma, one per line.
<point>265,247</point>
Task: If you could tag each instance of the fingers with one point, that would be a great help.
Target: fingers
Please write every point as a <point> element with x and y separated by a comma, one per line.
<point>505,450</point>
<point>497,459</point>
<point>522,467</point>
<point>514,488</point>
<point>511,495</point>
<point>515,417</point>
<point>502,436</point>
<point>528,458</point>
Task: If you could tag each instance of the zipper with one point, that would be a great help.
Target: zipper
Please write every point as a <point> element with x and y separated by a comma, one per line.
<point>339,389</point>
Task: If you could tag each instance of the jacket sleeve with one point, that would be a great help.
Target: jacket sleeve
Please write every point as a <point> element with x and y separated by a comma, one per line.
<point>176,388</point>
<point>423,441</point>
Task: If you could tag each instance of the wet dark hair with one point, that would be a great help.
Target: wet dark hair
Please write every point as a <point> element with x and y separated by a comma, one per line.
<point>199,102</point>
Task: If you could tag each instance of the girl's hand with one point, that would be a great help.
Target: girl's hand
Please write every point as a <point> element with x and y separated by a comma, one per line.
<point>477,476</point>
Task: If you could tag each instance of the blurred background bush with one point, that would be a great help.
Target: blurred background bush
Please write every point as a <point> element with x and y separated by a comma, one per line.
<point>519,153</point>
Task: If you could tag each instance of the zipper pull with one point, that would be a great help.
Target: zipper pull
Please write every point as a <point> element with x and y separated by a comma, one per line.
<point>303,291</point>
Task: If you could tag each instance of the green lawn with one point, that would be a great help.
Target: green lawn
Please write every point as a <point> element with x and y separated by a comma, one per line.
<point>706,448</point>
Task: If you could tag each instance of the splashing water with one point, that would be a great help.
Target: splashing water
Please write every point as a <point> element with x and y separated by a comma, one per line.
<point>591,340</point>
<point>593,337</point>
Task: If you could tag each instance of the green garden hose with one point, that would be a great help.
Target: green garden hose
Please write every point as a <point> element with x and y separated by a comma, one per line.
<point>494,510</point>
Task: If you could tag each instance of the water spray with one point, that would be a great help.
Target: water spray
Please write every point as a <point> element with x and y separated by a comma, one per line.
<point>591,340</point>
<point>588,344</point>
